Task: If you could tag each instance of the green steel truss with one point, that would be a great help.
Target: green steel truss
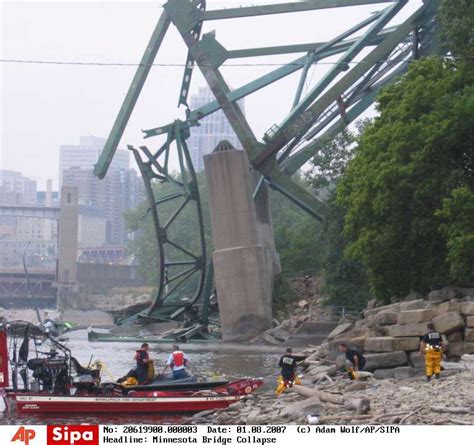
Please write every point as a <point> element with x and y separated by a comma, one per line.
<point>181,262</point>
<point>371,54</point>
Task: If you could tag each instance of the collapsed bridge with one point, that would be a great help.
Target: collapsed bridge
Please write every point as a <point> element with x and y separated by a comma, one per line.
<point>245,261</point>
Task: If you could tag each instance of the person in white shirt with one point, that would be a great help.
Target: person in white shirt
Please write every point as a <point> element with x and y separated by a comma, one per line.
<point>177,361</point>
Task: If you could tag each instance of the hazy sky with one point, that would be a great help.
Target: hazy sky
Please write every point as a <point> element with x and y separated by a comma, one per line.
<point>44,106</point>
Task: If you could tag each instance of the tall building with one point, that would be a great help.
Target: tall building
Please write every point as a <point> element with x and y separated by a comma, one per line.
<point>15,189</point>
<point>92,226</point>
<point>34,237</point>
<point>109,198</point>
<point>86,154</point>
<point>213,129</point>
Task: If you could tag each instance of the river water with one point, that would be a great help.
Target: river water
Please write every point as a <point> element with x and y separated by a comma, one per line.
<point>118,358</point>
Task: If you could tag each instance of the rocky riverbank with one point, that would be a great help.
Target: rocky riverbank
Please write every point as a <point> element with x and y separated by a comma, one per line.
<point>392,390</point>
<point>328,396</point>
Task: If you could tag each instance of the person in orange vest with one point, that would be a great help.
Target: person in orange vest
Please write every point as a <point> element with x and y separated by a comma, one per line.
<point>177,361</point>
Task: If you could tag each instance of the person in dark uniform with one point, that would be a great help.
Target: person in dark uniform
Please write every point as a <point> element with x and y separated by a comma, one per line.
<point>354,357</point>
<point>288,363</point>
<point>143,359</point>
<point>431,347</point>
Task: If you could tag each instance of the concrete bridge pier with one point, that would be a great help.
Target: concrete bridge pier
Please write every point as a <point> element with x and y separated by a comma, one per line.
<point>67,284</point>
<point>245,260</point>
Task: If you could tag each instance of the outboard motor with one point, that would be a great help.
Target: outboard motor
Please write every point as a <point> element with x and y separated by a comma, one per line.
<point>52,373</point>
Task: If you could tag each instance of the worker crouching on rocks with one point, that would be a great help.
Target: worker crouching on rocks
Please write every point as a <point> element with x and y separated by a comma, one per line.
<point>354,359</point>
<point>431,347</point>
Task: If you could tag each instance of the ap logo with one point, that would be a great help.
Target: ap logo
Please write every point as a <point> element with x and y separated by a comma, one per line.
<point>24,435</point>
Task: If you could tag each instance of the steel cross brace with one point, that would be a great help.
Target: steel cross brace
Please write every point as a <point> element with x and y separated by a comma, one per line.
<point>310,118</point>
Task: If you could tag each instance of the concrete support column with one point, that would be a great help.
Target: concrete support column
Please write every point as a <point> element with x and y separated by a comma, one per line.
<point>245,261</point>
<point>67,248</point>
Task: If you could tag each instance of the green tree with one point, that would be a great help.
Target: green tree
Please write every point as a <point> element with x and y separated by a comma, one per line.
<point>408,160</point>
<point>297,236</point>
<point>329,163</point>
<point>457,21</point>
<point>345,280</point>
<point>457,216</point>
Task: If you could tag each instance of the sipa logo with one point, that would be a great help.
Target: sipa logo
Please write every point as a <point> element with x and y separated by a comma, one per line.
<point>73,435</point>
<point>23,435</point>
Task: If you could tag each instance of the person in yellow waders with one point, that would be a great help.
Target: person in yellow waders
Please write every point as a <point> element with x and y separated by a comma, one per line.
<point>288,377</point>
<point>431,347</point>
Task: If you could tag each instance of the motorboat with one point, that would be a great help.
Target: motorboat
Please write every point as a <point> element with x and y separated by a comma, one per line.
<point>53,381</point>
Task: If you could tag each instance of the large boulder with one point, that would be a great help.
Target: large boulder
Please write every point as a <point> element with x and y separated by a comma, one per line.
<point>407,330</point>
<point>389,344</point>
<point>386,318</point>
<point>338,330</point>
<point>470,321</point>
<point>405,372</point>
<point>467,308</point>
<point>468,347</point>
<point>414,305</point>
<point>353,343</point>
<point>416,360</point>
<point>371,321</point>
<point>448,306</point>
<point>371,303</point>
<point>356,332</point>
<point>271,339</point>
<point>297,410</point>
<point>407,343</point>
<point>455,349</point>
<point>379,344</point>
<point>279,333</point>
<point>330,370</point>
<point>384,373</point>
<point>469,335</point>
<point>395,307</point>
<point>454,336</point>
<point>385,360</point>
<point>416,316</point>
<point>448,322</point>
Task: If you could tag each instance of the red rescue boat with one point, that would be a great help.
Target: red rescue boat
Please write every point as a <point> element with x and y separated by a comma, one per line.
<point>62,386</point>
<point>134,402</point>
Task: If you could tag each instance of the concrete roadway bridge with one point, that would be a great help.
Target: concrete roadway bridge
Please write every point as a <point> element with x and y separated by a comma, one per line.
<point>13,287</point>
<point>24,211</point>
